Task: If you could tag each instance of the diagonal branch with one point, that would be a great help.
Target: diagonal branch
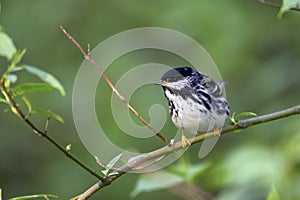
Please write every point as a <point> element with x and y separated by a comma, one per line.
<point>275,5</point>
<point>138,161</point>
<point>44,134</point>
<point>120,96</point>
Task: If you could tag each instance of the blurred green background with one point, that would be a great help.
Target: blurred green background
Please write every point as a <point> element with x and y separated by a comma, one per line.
<point>257,53</point>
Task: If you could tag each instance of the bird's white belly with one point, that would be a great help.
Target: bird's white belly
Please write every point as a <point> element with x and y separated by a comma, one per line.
<point>195,118</point>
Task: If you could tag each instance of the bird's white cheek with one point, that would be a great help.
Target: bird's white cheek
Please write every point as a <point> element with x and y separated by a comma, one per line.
<point>178,85</point>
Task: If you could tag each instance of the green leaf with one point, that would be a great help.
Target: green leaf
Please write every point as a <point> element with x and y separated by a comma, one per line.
<point>287,5</point>
<point>15,69</point>
<point>35,196</point>
<point>232,119</point>
<point>181,166</point>
<point>31,87</point>
<point>244,115</point>
<point>3,100</point>
<point>273,194</point>
<point>111,164</point>
<point>7,47</point>
<point>155,181</point>
<point>51,114</point>
<point>197,171</point>
<point>189,173</point>
<point>17,57</point>
<point>27,103</point>
<point>68,147</point>
<point>11,77</point>
<point>46,77</point>
<point>235,117</point>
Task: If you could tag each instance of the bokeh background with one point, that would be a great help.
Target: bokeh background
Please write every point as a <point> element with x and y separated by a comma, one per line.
<point>257,53</point>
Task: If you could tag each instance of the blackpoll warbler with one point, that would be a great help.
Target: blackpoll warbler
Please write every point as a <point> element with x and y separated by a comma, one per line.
<point>195,100</point>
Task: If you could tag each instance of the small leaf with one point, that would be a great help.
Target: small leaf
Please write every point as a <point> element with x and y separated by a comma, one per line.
<point>155,181</point>
<point>244,115</point>
<point>68,147</point>
<point>196,171</point>
<point>31,87</point>
<point>189,173</point>
<point>17,57</point>
<point>287,5</point>
<point>111,164</point>
<point>15,69</point>
<point>273,194</point>
<point>27,103</point>
<point>232,118</point>
<point>236,117</point>
<point>181,167</point>
<point>46,77</point>
<point>7,47</point>
<point>35,196</point>
<point>51,114</point>
<point>11,77</point>
<point>237,131</point>
<point>3,100</point>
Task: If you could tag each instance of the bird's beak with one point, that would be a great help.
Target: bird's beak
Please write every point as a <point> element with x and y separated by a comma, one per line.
<point>160,82</point>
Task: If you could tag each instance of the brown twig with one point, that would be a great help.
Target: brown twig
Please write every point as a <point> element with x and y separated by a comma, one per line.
<point>44,134</point>
<point>241,124</point>
<point>121,97</point>
<point>47,124</point>
<point>275,5</point>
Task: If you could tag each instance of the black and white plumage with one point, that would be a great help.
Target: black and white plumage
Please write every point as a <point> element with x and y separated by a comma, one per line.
<point>196,102</point>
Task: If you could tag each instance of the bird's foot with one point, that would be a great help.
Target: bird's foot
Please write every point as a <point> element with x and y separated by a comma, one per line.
<point>184,141</point>
<point>216,131</point>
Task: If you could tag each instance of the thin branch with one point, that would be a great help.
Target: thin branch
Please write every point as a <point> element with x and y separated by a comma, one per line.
<point>135,162</point>
<point>44,134</point>
<point>275,5</point>
<point>47,124</point>
<point>121,97</point>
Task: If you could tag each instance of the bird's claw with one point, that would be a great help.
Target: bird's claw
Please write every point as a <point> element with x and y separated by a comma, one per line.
<point>184,141</point>
<point>216,131</point>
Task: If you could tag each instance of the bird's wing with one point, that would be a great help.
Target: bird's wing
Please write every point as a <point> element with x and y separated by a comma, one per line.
<point>212,87</point>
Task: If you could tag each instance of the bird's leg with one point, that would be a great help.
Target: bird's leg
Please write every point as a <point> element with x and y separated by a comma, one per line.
<point>216,131</point>
<point>184,140</point>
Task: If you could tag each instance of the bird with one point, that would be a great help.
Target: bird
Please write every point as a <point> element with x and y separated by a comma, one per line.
<point>196,102</point>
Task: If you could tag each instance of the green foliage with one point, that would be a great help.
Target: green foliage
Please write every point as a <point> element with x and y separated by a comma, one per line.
<point>155,181</point>
<point>273,195</point>
<point>111,164</point>
<point>46,77</point>
<point>27,103</point>
<point>181,172</point>
<point>11,78</point>
<point>68,147</point>
<point>7,47</point>
<point>288,5</point>
<point>31,87</point>
<point>189,172</point>
<point>257,172</point>
<point>18,56</point>
<point>14,56</point>
<point>234,118</point>
<point>48,113</point>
